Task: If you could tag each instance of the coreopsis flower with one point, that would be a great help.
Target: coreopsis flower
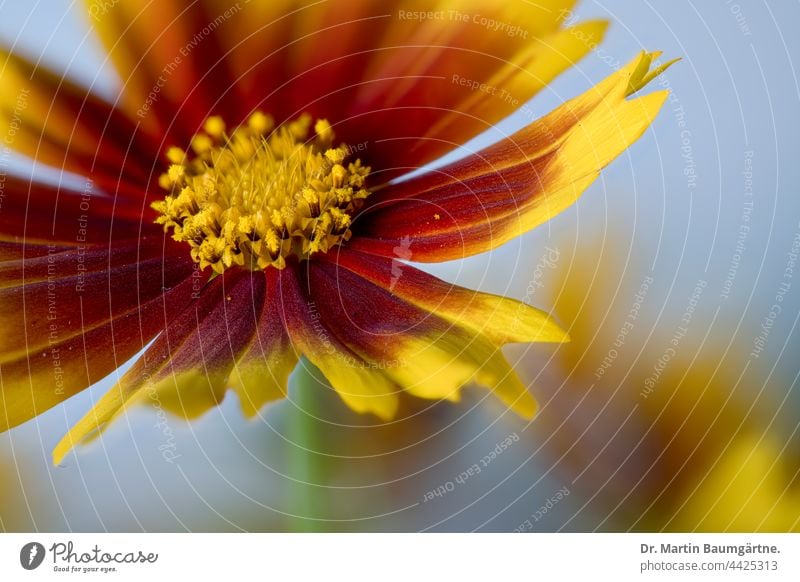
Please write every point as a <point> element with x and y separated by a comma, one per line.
<point>241,207</point>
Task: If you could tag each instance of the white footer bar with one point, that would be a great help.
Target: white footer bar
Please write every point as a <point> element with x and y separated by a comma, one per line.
<point>406,557</point>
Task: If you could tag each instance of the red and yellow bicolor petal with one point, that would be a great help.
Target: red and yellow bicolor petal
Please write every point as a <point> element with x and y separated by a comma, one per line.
<point>72,315</point>
<point>433,85</point>
<point>500,319</point>
<point>173,68</point>
<point>82,284</point>
<point>247,330</point>
<point>430,76</point>
<point>261,373</point>
<point>413,348</point>
<point>412,68</point>
<point>187,368</point>
<point>362,388</point>
<point>478,203</point>
<point>52,120</point>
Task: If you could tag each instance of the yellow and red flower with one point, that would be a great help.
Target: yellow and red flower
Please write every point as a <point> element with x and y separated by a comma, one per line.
<point>241,208</point>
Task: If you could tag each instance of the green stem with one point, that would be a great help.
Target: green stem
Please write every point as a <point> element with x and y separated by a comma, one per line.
<point>307,467</point>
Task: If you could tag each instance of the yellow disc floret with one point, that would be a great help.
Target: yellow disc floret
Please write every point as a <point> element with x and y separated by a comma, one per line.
<point>255,196</point>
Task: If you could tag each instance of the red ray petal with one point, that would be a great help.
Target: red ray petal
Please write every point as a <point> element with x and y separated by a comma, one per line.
<point>61,339</point>
<point>263,369</point>
<point>56,122</point>
<point>34,213</point>
<point>360,64</point>
<point>64,294</point>
<point>500,319</point>
<point>174,70</point>
<point>365,315</point>
<point>421,352</point>
<point>363,389</point>
<point>193,357</point>
<point>486,199</point>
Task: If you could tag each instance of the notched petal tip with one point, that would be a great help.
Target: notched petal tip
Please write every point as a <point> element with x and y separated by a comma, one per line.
<point>642,74</point>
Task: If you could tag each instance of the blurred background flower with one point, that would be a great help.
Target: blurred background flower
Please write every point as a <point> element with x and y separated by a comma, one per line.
<point>663,421</point>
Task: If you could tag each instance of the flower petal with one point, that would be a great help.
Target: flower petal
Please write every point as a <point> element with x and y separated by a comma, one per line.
<point>425,355</point>
<point>362,388</point>
<point>486,199</point>
<point>262,372</point>
<point>416,77</point>
<point>168,54</point>
<point>500,319</point>
<point>529,71</point>
<point>66,329</point>
<point>465,92</point>
<point>74,290</point>
<point>356,63</point>
<point>38,214</point>
<point>12,251</point>
<point>51,120</point>
<point>186,369</point>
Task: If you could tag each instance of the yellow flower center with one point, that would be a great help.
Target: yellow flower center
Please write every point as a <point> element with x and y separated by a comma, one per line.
<point>256,196</point>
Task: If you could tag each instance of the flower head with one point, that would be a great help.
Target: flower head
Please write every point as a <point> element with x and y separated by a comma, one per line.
<point>241,208</point>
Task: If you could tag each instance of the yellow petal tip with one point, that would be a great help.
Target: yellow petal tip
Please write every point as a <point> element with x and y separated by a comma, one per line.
<point>641,74</point>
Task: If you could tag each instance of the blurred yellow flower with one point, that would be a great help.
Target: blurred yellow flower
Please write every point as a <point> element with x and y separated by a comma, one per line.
<point>749,489</point>
<point>652,421</point>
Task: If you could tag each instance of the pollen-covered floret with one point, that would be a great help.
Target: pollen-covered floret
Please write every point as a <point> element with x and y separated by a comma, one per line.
<point>255,196</point>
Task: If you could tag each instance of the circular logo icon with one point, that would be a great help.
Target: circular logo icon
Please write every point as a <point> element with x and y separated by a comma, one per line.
<point>31,555</point>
